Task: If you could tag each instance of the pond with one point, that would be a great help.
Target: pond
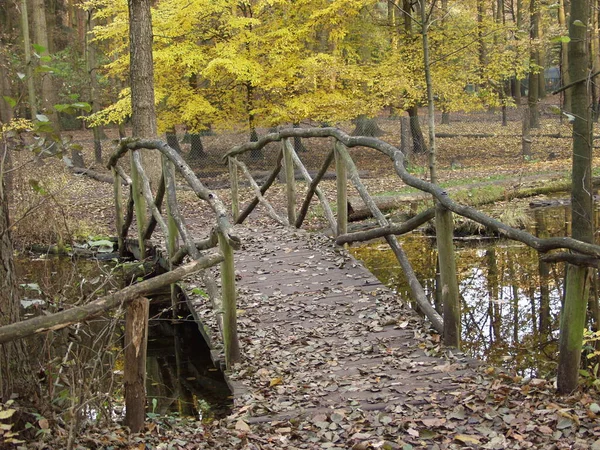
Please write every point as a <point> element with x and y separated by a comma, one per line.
<point>85,361</point>
<point>510,299</point>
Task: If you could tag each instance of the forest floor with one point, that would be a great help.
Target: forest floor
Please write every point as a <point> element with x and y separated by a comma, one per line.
<point>493,409</point>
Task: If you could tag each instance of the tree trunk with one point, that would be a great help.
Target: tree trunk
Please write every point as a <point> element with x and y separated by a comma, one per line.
<point>13,356</point>
<point>419,145</point>
<point>91,63</point>
<point>40,37</point>
<point>6,111</point>
<point>143,118</point>
<point>298,144</point>
<point>564,58</point>
<point>534,58</point>
<point>367,126</point>
<point>594,59</point>
<point>172,140</point>
<point>578,278</point>
<point>519,24</point>
<point>255,154</point>
<point>197,152</point>
<point>27,50</point>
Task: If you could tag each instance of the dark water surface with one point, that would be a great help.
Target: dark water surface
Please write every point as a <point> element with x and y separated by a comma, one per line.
<point>510,299</point>
<point>181,378</point>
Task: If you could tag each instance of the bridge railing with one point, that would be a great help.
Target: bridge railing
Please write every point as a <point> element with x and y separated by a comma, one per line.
<point>445,207</point>
<point>173,226</point>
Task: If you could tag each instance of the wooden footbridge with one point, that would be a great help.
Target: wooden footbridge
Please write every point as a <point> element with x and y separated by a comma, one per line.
<point>300,325</point>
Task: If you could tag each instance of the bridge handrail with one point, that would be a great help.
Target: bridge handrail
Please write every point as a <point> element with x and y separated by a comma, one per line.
<point>542,245</point>
<point>586,254</point>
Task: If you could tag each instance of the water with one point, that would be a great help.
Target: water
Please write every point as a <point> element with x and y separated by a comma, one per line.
<point>510,300</point>
<point>181,377</point>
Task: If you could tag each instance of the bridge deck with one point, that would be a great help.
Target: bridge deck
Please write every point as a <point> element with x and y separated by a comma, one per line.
<point>319,332</point>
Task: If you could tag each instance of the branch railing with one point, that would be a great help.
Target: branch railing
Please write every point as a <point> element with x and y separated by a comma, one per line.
<point>449,326</point>
<point>173,226</point>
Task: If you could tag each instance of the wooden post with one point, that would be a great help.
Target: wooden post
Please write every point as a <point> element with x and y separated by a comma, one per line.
<point>235,196</point>
<point>449,284</point>
<point>290,180</point>
<point>228,294</point>
<point>341,176</point>
<point>118,208</point>
<point>136,339</point>
<point>139,203</point>
<point>172,239</point>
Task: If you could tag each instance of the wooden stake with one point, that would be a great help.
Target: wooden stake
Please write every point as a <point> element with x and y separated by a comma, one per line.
<point>136,340</point>
<point>450,295</point>
<point>228,294</point>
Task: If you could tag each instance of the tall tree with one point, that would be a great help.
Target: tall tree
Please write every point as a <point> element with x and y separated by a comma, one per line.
<point>141,73</point>
<point>564,55</point>
<point>31,97</point>
<point>40,38</point>
<point>534,61</point>
<point>578,278</point>
<point>14,363</point>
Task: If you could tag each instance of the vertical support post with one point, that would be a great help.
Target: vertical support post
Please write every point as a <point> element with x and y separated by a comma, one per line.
<point>341,177</point>
<point>235,195</point>
<point>172,239</point>
<point>450,295</point>
<point>290,180</point>
<point>139,202</point>
<point>136,339</point>
<point>228,294</point>
<point>118,207</point>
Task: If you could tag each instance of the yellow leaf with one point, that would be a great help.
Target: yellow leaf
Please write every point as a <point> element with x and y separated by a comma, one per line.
<point>275,382</point>
<point>467,439</point>
<point>7,413</point>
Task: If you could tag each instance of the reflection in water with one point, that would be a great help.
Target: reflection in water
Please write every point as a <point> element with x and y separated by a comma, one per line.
<point>511,300</point>
<point>180,373</point>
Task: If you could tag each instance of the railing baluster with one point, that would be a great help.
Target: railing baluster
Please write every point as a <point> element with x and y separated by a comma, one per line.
<point>290,180</point>
<point>342,193</point>
<point>449,284</point>
<point>138,202</point>
<point>312,189</point>
<point>230,337</point>
<point>235,196</point>
<point>118,207</point>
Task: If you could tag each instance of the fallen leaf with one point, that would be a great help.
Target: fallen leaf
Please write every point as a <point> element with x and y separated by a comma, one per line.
<point>240,425</point>
<point>6,413</point>
<point>467,439</point>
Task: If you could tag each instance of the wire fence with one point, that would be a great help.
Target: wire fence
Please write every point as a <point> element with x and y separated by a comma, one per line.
<point>460,137</point>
